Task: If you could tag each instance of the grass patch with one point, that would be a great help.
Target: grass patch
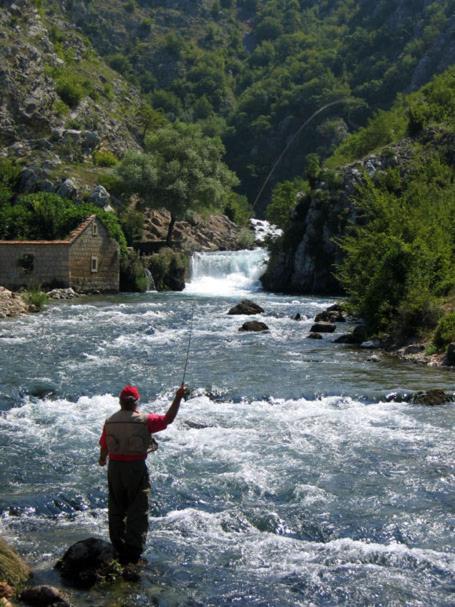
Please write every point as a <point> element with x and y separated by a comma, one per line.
<point>13,569</point>
<point>36,298</point>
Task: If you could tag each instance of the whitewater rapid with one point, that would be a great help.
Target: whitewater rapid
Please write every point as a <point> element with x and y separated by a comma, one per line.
<point>227,273</point>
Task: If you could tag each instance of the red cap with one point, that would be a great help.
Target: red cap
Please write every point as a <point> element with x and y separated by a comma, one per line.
<point>128,392</point>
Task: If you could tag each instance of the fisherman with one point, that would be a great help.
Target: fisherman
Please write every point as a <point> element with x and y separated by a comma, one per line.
<point>127,439</point>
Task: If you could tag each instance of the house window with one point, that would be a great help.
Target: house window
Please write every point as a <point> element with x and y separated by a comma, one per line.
<point>26,262</point>
<point>94,229</point>
<point>94,264</point>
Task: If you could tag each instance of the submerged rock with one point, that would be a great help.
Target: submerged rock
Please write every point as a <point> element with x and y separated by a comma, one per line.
<point>323,327</point>
<point>254,325</point>
<point>431,398</point>
<point>372,344</point>
<point>43,596</point>
<point>89,561</point>
<point>314,336</point>
<point>246,306</point>
<point>346,338</point>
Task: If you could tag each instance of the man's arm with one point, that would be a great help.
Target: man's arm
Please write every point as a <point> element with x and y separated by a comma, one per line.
<point>103,456</point>
<point>175,406</point>
<point>103,448</point>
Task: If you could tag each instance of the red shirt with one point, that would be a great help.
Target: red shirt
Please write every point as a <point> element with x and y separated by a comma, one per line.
<point>155,423</point>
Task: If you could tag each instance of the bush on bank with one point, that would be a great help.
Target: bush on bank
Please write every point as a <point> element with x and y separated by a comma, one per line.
<point>168,269</point>
<point>445,331</point>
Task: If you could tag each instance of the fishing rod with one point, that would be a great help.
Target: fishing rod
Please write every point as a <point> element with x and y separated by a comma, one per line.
<point>189,343</point>
<point>291,141</point>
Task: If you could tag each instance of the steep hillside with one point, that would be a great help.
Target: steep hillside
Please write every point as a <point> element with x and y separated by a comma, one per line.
<point>60,104</point>
<point>254,71</point>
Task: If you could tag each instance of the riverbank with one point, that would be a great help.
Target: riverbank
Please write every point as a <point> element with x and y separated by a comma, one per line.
<point>12,304</point>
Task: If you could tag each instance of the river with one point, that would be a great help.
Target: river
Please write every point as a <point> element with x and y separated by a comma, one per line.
<point>287,479</point>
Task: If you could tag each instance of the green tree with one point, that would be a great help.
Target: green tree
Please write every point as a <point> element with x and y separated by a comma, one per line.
<point>181,170</point>
<point>285,196</point>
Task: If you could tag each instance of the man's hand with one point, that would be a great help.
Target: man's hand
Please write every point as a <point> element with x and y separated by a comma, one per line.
<point>181,392</point>
<point>174,408</point>
<point>103,456</point>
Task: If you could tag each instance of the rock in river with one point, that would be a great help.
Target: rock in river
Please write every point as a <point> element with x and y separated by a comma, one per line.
<point>88,562</point>
<point>254,325</point>
<point>44,596</point>
<point>323,327</point>
<point>246,306</point>
<point>431,398</point>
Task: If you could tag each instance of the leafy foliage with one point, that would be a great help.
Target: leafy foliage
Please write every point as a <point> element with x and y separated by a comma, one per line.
<point>181,170</point>
<point>445,331</point>
<point>284,199</point>
<point>45,216</point>
<point>401,254</point>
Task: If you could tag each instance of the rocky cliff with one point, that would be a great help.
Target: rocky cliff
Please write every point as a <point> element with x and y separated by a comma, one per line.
<point>59,102</point>
<point>304,260</point>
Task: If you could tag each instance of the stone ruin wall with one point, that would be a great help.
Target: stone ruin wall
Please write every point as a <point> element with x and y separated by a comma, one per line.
<point>50,264</point>
<point>102,247</point>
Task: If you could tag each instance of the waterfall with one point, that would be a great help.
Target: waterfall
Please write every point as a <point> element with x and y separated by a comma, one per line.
<point>226,273</point>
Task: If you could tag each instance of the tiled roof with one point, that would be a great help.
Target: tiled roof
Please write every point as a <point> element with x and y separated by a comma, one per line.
<point>71,236</point>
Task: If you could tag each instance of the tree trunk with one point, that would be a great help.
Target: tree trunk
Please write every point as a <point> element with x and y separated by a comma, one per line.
<point>170,230</point>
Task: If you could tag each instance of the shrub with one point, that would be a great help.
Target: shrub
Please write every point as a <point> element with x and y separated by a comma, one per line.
<point>104,158</point>
<point>132,273</point>
<point>246,238</point>
<point>168,269</point>
<point>132,223</point>
<point>69,89</point>
<point>445,331</point>
<point>36,298</point>
<point>238,209</point>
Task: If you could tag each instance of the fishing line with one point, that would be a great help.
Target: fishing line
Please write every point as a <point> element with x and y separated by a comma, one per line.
<point>189,343</point>
<point>291,141</point>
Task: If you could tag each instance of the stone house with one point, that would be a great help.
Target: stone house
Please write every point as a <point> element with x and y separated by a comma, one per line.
<point>87,260</point>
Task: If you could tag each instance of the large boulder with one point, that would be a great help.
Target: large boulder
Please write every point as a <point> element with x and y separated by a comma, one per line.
<point>246,306</point>
<point>100,197</point>
<point>254,325</point>
<point>88,562</point>
<point>68,189</point>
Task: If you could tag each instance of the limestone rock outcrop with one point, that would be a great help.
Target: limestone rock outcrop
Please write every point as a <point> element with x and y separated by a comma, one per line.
<point>11,304</point>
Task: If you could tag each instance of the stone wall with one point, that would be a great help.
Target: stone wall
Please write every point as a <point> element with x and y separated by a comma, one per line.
<point>86,248</point>
<point>34,264</point>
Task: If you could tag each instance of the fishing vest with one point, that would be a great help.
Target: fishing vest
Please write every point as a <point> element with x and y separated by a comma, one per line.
<point>127,434</point>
